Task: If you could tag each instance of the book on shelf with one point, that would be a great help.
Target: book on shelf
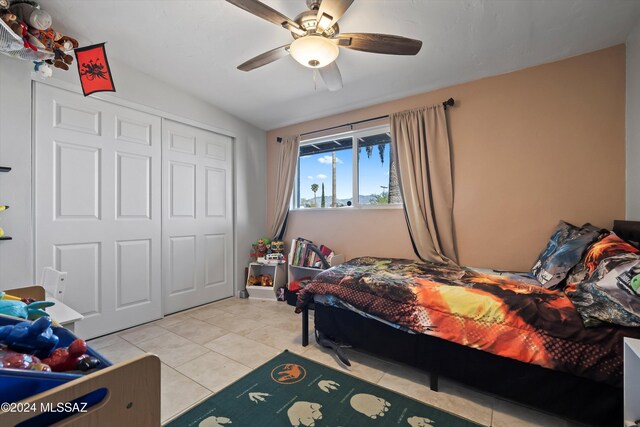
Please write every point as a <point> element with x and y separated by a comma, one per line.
<point>302,254</point>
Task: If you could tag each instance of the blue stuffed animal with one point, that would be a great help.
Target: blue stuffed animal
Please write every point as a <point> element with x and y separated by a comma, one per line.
<point>35,338</point>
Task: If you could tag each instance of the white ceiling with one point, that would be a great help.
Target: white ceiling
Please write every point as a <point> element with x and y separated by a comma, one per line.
<point>196,45</point>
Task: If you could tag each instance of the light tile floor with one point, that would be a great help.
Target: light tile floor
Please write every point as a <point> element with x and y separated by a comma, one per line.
<point>207,348</point>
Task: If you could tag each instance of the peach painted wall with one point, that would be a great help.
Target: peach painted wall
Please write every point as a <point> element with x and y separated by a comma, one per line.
<point>529,148</point>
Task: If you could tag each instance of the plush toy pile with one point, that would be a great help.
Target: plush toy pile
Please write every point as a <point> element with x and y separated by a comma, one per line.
<point>33,25</point>
<point>261,280</point>
<point>32,346</point>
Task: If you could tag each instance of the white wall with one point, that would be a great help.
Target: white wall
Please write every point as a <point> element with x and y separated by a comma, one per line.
<point>16,257</point>
<point>633,124</point>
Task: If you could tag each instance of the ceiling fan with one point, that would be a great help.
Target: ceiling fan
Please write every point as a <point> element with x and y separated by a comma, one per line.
<point>317,38</point>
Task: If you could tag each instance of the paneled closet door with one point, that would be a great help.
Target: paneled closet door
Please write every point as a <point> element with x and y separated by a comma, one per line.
<point>197,223</point>
<point>97,206</point>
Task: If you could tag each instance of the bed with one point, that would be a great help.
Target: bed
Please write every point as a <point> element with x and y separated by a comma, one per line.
<point>500,332</point>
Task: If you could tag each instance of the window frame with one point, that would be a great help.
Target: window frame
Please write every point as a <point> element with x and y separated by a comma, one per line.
<point>355,149</point>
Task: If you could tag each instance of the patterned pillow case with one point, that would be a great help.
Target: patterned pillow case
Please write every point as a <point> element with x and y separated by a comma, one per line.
<point>610,246</point>
<point>595,286</point>
<point>563,251</point>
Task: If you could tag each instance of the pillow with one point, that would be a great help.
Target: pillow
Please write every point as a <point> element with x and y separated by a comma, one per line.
<point>563,251</point>
<point>611,246</point>
<point>606,295</point>
<point>599,287</point>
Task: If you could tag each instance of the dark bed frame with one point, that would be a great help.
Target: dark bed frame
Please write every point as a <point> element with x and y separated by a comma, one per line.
<point>575,398</point>
<point>565,395</point>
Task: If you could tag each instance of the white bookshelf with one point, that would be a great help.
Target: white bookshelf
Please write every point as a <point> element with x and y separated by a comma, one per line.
<point>631,381</point>
<point>296,272</point>
<point>279,274</point>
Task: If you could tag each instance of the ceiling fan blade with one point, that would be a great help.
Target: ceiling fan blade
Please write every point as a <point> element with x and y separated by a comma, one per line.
<point>265,58</point>
<point>331,76</point>
<point>380,43</point>
<point>263,11</point>
<point>329,13</point>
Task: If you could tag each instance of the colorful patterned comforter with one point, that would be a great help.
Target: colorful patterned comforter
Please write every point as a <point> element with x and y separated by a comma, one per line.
<point>505,314</point>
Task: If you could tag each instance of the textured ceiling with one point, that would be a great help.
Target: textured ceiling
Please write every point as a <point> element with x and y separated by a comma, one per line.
<point>196,46</point>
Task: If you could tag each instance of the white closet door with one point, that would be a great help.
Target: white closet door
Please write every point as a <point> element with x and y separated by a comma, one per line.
<point>197,228</point>
<point>97,197</point>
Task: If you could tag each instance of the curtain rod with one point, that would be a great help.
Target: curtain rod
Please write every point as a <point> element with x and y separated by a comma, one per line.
<point>448,103</point>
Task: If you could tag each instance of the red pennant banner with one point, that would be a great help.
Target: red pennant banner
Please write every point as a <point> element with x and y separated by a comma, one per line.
<point>93,67</point>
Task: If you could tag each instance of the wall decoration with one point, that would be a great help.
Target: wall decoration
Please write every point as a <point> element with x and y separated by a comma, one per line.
<point>93,67</point>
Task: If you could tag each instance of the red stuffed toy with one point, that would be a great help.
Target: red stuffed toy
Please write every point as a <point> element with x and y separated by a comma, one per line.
<point>24,33</point>
<point>71,358</point>
<point>14,360</point>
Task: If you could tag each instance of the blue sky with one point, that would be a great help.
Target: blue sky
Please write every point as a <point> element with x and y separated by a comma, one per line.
<point>317,169</point>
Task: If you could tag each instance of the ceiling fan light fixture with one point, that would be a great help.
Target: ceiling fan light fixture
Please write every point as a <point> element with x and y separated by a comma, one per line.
<point>314,51</point>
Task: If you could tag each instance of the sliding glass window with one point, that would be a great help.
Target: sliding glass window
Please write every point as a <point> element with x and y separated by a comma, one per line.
<point>324,174</point>
<point>331,170</point>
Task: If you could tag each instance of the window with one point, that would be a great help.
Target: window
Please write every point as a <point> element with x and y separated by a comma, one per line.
<point>324,169</point>
<point>353,169</point>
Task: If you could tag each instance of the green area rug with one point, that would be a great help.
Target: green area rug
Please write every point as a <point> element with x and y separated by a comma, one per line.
<point>291,390</point>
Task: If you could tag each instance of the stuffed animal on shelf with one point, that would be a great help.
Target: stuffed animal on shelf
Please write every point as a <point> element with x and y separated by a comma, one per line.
<point>71,358</point>
<point>62,45</point>
<point>17,308</point>
<point>66,43</point>
<point>276,247</point>
<point>11,20</point>
<point>57,43</point>
<point>266,280</point>
<point>29,14</point>
<point>262,247</point>
<point>42,39</point>
<point>43,69</point>
<point>30,337</point>
<point>14,360</point>
<point>260,280</point>
<point>21,30</point>
<point>33,25</point>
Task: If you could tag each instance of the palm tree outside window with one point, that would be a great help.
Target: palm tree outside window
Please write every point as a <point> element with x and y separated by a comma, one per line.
<point>355,163</point>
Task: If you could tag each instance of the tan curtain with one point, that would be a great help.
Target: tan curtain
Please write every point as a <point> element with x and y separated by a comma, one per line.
<point>420,141</point>
<point>285,177</point>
